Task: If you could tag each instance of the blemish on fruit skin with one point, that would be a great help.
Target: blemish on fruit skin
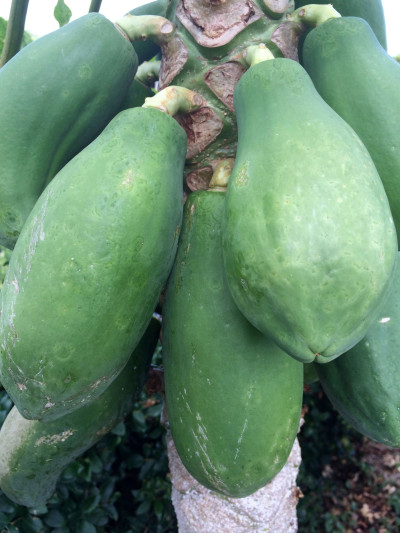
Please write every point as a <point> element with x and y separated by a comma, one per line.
<point>15,283</point>
<point>54,439</point>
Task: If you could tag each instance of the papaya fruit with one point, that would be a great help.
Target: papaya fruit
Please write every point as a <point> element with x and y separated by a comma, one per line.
<point>363,384</point>
<point>308,238</point>
<point>360,81</point>
<point>56,95</point>
<point>369,10</point>
<point>233,398</point>
<point>90,264</point>
<point>33,454</point>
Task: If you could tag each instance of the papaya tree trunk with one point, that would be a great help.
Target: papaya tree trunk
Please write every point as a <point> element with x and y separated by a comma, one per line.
<point>200,510</point>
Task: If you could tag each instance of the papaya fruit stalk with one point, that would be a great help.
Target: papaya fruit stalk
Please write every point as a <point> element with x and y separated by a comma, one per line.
<point>15,30</point>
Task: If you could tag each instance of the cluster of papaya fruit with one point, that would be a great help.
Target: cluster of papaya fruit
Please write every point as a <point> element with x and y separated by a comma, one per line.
<point>283,254</point>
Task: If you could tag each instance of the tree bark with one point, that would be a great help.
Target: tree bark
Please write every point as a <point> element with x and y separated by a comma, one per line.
<point>200,510</point>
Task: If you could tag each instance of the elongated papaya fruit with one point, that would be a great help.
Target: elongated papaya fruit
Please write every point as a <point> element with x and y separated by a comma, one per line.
<point>360,81</point>
<point>90,264</point>
<point>34,453</point>
<point>233,397</point>
<point>309,240</point>
<point>363,384</point>
<point>56,96</point>
<point>369,10</point>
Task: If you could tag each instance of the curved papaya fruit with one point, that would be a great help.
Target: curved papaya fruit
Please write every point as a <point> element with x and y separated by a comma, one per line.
<point>360,81</point>
<point>34,453</point>
<point>309,240</point>
<point>369,10</point>
<point>233,397</point>
<point>363,384</point>
<point>90,264</point>
<point>56,95</point>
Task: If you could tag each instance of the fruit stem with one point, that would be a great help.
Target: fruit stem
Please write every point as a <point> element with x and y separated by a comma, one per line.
<point>221,174</point>
<point>256,54</point>
<point>142,27</point>
<point>313,14</point>
<point>15,30</point>
<point>174,99</point>
<point>95,6</point>
<point>148,71</point>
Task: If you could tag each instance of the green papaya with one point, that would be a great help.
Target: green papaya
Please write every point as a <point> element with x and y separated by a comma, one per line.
<point>369,10</point>
<point>90,264</point>
<point>309,240</point>
<point>363,384</point>
<point>233,397</point>
<point>360,81</point>
<point>147,49</point>
<point>56,95</point>
<point>33,453</point>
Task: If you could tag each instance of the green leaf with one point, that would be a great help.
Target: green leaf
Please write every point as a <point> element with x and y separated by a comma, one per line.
<point>62,13</point>
<point>54,519</point>
<point>119,429</point>
<point>90,503</point>
<point>31,525</point>
<point>143,508</point>
<point>86,527</point>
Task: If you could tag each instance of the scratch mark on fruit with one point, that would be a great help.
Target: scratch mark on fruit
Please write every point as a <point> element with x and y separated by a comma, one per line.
<point>22,386</point>
<point>384,320</point>
<point>15,283</point>
<point>37,232</point>
<point>54,439</point>
<point>128,178</point>
<point>239,442</point>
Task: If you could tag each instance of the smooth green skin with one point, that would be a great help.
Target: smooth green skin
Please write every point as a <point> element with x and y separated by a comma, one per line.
<point>360,81</point>
<point>363,384</point>
<point>57,94</point>
<point>90,264</point>
<point>33,453</point>
<point>146,50</point>
<point>233,397</point>
<point>309,241</point>
<point>369,10</point>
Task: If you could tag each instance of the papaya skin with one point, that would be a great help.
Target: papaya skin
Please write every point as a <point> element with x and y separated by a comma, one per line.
<point>309,240</point>
<point>56,95</point>
<point>360,81</point>
<point>363,384</point>
<point>233,397</point>
<point>33,454</point>
<point>90,264</point>
<point>369,10</point>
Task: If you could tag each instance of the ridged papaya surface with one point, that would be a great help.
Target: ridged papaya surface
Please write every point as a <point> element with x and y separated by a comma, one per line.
<point>90,264</point>
<point>369,10</point>
<point>233,397</point>
<point>361,82</point>
<point>309,240</point>
<point>56,96</point>
<point>34,453</point>
<point>363,384</point>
